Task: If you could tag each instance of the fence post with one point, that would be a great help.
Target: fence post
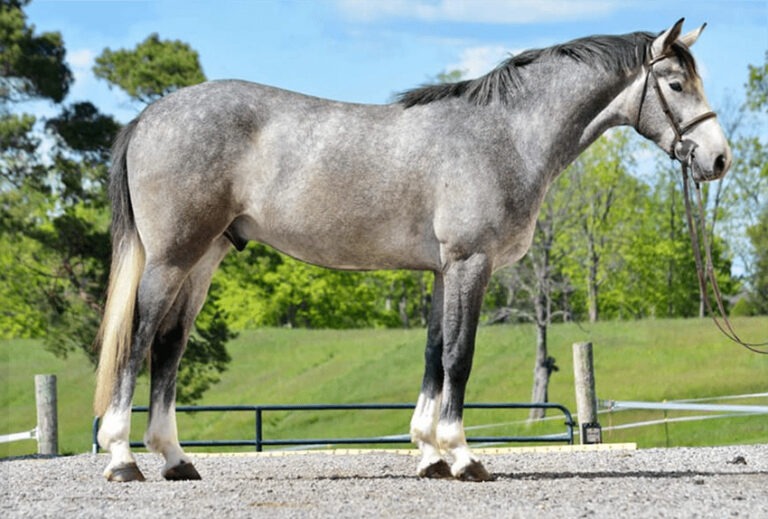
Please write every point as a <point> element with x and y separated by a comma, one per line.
<point>47,416</point>
<point>259,425</point>
<point>586,399</point>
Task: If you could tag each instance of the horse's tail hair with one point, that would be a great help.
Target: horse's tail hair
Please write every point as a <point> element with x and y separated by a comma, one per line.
<point>128,258</point>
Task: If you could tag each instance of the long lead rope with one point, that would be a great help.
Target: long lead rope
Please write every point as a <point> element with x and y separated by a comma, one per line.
<point>723,323</point>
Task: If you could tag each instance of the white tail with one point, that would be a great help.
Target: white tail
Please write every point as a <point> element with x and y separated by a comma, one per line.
<point>116,330</point>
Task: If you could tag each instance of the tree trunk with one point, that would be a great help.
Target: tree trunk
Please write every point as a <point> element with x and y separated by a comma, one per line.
<point>402,308</point>
<point>566,301</point>
<point>592,287</point>
<point>540,373</point>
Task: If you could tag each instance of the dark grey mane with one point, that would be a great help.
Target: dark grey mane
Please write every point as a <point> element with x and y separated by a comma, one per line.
<point>610,53</point>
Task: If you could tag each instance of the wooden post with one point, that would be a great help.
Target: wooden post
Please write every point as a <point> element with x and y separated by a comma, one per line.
<point>47,416</point>
<point>586,399</point>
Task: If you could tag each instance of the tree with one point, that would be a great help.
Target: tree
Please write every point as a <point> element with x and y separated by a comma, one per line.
<point>151,70</point>
<point>757,86</point>
<point>744,195</point>
<point>54,214</point>
<point>608,196</point>
<point>758,236</point>
<point>32,65</point>
<point>659,278</point>
<point>752,192</point>
<point>261,287</point>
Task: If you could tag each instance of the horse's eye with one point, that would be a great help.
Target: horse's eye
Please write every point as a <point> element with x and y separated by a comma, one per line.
<point>676,86</point>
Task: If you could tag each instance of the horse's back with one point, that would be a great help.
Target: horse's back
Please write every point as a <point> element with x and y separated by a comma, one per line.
<point>328,182</point>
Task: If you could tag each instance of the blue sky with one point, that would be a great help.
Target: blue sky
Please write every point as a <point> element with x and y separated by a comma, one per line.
<point>366,50</point>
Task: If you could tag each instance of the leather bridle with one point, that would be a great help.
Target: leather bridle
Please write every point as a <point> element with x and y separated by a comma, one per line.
<point>685,157</point>
<point>679,129</point>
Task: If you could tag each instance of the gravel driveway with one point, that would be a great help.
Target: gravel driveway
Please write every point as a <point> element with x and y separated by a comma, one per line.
<point>680,482</point>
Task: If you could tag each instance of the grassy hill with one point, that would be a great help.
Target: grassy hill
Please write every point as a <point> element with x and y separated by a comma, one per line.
<point>652,360</point>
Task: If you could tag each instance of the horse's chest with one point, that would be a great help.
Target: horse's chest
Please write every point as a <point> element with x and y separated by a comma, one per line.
<point>515,247</point>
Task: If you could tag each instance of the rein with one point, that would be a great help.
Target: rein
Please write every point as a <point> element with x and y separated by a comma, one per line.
<point>708,271</point>
<point>704,272</point>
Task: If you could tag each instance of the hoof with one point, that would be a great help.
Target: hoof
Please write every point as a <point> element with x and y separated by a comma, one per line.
<point>437,470</point>
<point>473,472</point>
<point>124,473</point>
<point>182,472</point>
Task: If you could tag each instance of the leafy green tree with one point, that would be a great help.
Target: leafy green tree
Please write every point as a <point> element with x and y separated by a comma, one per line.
<point>261,287</point>
<point>21,285</point>
<point>151,70</point>
<point>607,194</point>
<point>758,236</point>
<point>54,214</point>
<point>744,199</point>
<point>31,65</point>
<point>752,192</point>
<point>660,275</point>
<point>757,86</point>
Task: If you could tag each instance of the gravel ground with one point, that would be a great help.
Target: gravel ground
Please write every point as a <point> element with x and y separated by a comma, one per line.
<point>680,482</point>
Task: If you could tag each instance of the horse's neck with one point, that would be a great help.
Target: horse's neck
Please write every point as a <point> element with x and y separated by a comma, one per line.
<point>574,106</point>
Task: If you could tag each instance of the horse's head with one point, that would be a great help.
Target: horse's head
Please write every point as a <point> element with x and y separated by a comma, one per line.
<point>673,110</point>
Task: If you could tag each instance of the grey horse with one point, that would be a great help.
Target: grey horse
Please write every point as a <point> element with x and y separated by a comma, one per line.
<point>448,179</point>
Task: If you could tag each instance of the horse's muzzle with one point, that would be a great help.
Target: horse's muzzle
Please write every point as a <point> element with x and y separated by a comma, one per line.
<point>703,168</point>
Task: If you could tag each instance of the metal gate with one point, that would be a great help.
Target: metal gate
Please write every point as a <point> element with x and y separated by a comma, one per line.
<point>259,442</point>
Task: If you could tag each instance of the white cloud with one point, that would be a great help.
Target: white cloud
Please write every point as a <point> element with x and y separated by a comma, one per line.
<point>81,58</point>
<point>476,61</point>
<point>477,11</point>
<point>81,62</point>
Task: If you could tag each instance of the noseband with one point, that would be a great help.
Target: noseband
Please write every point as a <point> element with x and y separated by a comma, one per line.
<point>679,129</point>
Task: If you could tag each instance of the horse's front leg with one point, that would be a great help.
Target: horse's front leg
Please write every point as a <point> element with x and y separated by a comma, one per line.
<point>424,421</point>
<point>465,283</point>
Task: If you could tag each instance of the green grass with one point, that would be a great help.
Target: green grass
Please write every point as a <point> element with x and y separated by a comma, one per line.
<point>652,360</point>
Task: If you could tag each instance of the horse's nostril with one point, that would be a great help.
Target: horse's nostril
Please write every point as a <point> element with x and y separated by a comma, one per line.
<point>720,164</point>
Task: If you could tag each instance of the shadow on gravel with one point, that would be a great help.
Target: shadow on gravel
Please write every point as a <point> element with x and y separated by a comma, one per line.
<point>649,474</point>
<point>532,476</point>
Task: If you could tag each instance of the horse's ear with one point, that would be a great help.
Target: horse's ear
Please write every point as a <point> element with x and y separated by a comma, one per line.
<point>663,43</point>
<point>690,38</point>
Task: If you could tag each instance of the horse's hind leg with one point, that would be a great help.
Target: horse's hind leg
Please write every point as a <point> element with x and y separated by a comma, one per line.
<point>424,421</point>
<point>169,344</point>
<point>465,282</point>
<point>157,290</point>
